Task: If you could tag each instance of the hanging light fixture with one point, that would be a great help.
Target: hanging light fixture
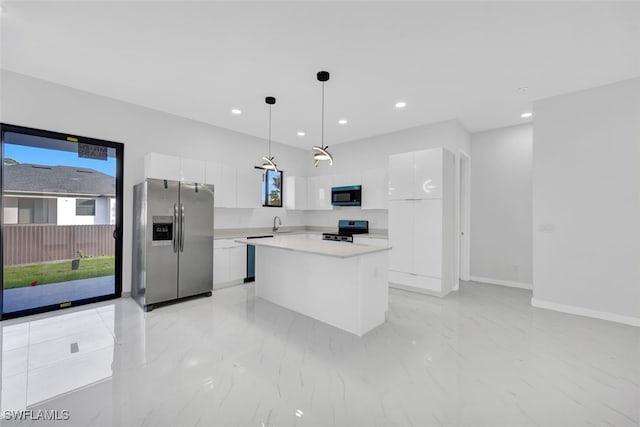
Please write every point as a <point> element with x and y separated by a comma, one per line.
<point>268,163</point>
<point>321,152</point>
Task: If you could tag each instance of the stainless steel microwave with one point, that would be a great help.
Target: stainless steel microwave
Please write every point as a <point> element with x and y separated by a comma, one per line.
<point>346,196</point>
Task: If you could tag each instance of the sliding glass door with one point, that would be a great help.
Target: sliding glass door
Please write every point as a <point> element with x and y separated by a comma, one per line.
<point>61,220</point>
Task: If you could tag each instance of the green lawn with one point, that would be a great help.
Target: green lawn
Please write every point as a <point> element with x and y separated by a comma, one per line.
<point>20,276</point>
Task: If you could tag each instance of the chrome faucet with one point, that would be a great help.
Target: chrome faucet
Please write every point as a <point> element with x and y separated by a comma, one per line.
<point>275,227</point>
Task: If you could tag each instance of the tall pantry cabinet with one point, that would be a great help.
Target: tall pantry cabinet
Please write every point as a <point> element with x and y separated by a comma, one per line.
<point>422,221</point>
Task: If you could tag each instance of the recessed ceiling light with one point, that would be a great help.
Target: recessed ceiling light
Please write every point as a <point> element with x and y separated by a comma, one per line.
<point>342,121</point>
<point>523,88</point>
<point>301,134</point>
<point>401,104</point>
<point>236,111</point>
<point>525,115</point>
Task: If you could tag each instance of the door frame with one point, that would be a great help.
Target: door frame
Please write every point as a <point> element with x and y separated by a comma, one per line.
<point>464,215</point>
<point>119,147</point>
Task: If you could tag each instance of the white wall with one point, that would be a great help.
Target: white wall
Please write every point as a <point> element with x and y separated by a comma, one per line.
<point>501,206</point>
<point>586,202</point>
<point>36,103</point>
<point>102,211</point>
<point>66,211</point>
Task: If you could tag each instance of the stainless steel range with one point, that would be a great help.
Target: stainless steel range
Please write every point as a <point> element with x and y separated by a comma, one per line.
<point>346,229</point>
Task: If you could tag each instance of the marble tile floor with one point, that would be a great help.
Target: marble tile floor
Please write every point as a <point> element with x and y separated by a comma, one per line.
<point>480,357</point>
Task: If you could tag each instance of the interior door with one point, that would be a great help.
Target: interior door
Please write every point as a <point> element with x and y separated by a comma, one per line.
<point>195,272</point>
<point>61,220</point>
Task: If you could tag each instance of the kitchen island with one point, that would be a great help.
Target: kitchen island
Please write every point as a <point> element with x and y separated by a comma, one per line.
<point>342,284</point>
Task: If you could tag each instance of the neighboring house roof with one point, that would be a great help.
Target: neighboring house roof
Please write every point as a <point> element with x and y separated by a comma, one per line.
<point>29,178</point>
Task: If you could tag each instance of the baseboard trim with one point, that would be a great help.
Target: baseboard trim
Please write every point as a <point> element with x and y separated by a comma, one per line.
<point>508,283</point>
<point>587,312</point>
<point>417,290</point>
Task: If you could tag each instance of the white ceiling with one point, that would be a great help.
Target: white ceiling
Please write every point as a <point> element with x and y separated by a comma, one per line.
<point>446,60</point>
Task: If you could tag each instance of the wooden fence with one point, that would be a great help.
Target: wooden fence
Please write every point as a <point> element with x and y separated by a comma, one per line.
<point>34,243</point>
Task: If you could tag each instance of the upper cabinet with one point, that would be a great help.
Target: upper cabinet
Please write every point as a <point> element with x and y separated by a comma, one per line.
<point>346,179</point>
<point>249,188</point>
<point>319,192</point>
<point>295,193</point>
<point>314,192</point>
<point>416,175</point>
<point>401,176</point>
<point>192,170</point>
<point>427,180</point>
<point>224,180</point>
<point>233,187</point>
<point>162,166</point>
<point>375,184</point>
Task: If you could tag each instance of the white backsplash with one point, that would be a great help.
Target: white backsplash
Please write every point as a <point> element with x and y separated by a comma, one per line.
<point>263,217</point>
<point>329,218</point>
<point>251,218</point>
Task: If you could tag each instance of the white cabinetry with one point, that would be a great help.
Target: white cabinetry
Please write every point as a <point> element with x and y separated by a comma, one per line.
<point>224,179</point>
<point>375,183</point>
<point>249,188</point>
<point>346,179</point>
<point>421,221</point>
<point>427,179</point>
<point>234,188</point>
<point>319,192</point>
<point>162,166</point>
<point>401,176</point>
<point>229,263</point>
<point>193,170</point>
<point>415,175</point>
<point>295,191</point>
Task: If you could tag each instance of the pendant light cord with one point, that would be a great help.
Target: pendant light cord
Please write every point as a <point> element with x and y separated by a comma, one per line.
<point>269,131</point>
<point>322,133</point>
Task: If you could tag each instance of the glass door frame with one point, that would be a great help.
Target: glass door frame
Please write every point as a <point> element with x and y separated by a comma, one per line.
<point>119,147</point>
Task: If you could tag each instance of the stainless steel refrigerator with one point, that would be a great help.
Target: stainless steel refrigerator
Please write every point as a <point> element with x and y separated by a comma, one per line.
<point>172,241</point>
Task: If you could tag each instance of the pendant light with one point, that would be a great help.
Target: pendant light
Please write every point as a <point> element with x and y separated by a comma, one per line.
<point>268,163</point>
<point>321,152</point>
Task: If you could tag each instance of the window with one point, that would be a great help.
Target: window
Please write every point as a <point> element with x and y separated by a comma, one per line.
<point>272,188</point>
<point>85,207</point>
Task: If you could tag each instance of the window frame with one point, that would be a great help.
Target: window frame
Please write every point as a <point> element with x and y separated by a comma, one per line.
<point>265,188</point>
<point>78,200</point>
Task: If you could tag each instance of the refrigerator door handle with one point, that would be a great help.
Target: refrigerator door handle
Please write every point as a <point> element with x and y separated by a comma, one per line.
<point>181,227</point>
<point>175,227</point>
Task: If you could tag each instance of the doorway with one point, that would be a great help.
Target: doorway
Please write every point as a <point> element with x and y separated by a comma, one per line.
<point>464,168</point>
<point>61,220</point>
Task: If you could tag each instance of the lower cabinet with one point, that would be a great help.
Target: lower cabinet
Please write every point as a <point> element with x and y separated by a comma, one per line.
<point>229,263</point>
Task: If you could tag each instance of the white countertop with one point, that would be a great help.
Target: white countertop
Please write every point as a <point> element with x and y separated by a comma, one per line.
<point>313,246</point>
<point>238,233</point>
